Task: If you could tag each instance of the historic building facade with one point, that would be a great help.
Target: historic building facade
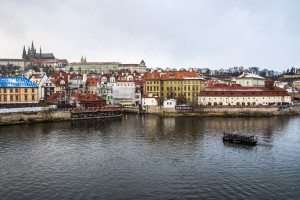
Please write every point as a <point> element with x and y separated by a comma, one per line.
<point>237,95</point>
<point>249,80</point>
<point>184,86</point>
<point>17,91</point>
<point>104,67</point>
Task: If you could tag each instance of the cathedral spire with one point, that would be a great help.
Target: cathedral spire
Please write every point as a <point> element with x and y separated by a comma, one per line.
<point>40,52</point>
<point>32,45</point>
<point>24,53</point>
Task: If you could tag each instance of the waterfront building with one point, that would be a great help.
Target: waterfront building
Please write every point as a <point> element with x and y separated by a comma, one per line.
<point>107,82</point>
<point>124,90</point>
<point>149,100</point>
<point>45,86</point>
<point>184,86</point>
<point>77,100</point>
<point>170,103</point>
<point>250,80</point>
<point>18,91</point>
<point>237,95</point>
<point>93,85</point>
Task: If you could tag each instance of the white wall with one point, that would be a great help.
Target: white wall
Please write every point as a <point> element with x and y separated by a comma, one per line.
<point>250,82</point>
<point>149,101</point>
<point>258,100</point>
<point>171,103</point>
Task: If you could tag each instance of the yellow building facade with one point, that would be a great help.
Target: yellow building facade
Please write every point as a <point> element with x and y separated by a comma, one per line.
<point>182,86</point>
<point>17,91</point>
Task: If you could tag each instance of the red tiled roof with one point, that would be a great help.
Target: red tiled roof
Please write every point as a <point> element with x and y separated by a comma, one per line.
<point>170,75</point>
<point>64,75</point>
<point>237,90</point>
<point>93,81</point>
<point>54,97</point>
<point>36,76</point>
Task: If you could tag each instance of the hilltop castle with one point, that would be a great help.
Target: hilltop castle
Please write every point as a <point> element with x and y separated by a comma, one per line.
<point>31,54</point>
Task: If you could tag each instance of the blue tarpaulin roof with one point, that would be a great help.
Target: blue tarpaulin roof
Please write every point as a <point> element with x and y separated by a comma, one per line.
<point>14,82</point>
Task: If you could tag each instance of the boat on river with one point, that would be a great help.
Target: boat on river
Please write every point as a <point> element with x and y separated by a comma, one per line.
<point>96,113</point>
<point>240,138</point>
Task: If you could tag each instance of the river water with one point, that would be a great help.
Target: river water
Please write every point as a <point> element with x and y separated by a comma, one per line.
<point>148,157</point>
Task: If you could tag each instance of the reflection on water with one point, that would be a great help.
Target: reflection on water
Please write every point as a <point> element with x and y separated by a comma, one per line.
<point>150,157</point>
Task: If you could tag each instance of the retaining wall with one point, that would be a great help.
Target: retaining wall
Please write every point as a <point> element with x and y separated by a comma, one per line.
<point>34,117</point>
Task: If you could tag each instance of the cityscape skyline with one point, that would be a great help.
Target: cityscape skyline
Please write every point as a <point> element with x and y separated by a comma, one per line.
<point>163,33</point>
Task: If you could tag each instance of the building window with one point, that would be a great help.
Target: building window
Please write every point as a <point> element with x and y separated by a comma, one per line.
<point>4,91</point>
<point>16,90</point>
<point>11,97</point>
<point>33,97</point>
<point>25,90</point>
<point>11,90</point>
<point>32,90</point>
<point>4,98</point>
<point>26,97</point>
<point>17,97</point>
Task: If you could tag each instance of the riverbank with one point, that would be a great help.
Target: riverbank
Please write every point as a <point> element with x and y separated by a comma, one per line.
<point>228,114</point>
<point>220,111</point>
<point>57,116</point>
<point>34,117</point>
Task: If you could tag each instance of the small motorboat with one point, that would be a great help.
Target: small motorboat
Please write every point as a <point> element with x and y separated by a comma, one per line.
<point>240,138</point>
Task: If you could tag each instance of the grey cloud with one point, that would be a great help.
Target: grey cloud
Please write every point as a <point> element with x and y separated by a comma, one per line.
<point>172,33</point>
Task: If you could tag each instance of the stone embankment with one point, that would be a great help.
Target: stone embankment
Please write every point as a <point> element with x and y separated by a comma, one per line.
<point>218,111</point>
<point>34,117</point>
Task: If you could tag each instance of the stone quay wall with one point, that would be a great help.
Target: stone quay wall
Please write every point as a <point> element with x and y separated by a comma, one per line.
<point>34,117</point>
<point>233,111</point>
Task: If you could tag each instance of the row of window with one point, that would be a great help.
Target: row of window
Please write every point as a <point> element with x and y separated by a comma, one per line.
<point>12,98</point>
<point>244,98</point>
<point>173,82</point>
<point>185,88</point>
<point>238,103</point>
<point>16,90</point>
<point>188,94</point>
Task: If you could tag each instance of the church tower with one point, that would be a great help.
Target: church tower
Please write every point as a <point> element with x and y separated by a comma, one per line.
<point>24,53</point>
<point>40,55</point>
<point>31,52</point>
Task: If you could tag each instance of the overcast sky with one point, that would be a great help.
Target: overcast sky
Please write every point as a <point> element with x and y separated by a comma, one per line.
<point>165,33</point>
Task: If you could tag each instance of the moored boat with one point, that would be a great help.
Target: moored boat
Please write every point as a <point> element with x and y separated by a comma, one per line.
<point>97,113</point>
<point>240,138</point>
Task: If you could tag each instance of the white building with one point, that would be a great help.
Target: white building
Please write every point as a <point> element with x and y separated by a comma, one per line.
<point>45,86</point>
<point>242,96</point>
<point>280,84</point>
<point>149,101</point>
<point>124,90</point>
<point>170,103</point>
<point>248,79</point>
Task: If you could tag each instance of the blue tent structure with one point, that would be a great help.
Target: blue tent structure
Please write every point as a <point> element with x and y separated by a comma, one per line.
<point>16,82</point>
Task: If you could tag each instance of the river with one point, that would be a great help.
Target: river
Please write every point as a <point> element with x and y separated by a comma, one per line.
<point>148,157</point>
